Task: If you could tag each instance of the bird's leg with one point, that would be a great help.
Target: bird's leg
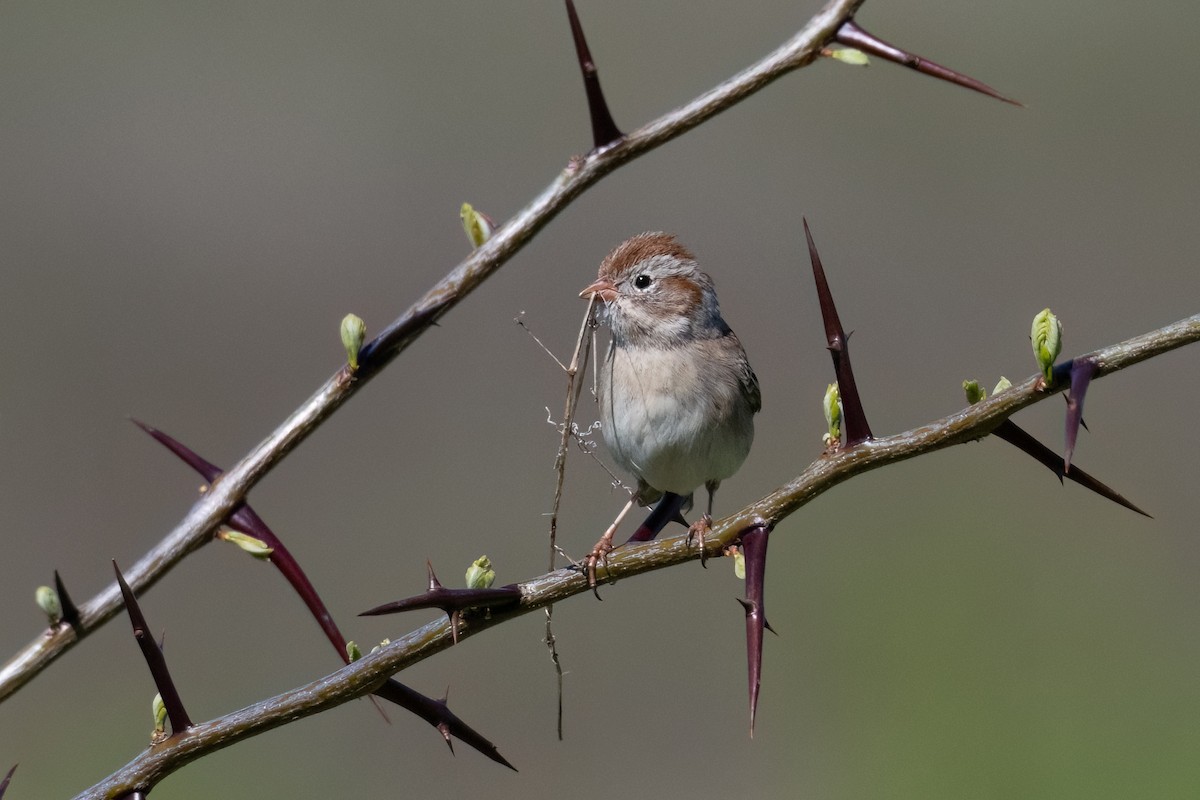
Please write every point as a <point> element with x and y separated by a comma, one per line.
<point>603,547</point>
<point>700,528</point>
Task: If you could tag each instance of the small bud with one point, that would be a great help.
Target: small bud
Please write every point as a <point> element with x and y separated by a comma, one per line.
<point>354,330</point>
<point>1046,334</point>
<point>479,226</point>
<point>973,391</point>
<point>480,574</point>
<point>833,413</point>
<point>739,564</point>
<point>158,710</point>
<point>47,600</point>
<point>381,645</point>
<point>352,652</point>
<point>255,547</point>
<point>847,55</point>
<point>1002,385</point>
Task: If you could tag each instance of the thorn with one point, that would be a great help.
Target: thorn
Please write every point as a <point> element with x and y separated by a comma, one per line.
<point>1082,370</point>
<point>70,613</point>
<point>451,602</point>
<point>434,583</point>
<point>154,658</point>
<point>856,427</point>
<point>1010,432</point>
<point>244,518</point>
<point>852,35</point>
<point>754,547</point>
<point>604,129</point>
<point>439,715</point>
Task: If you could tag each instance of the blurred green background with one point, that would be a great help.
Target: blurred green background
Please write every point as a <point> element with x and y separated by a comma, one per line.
<point>193,195</point>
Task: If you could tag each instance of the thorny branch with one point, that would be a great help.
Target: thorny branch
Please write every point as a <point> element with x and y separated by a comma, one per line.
<point>363,676</point>
<point>214,507</point>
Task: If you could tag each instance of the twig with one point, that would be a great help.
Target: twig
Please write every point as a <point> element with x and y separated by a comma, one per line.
<point>578,359</point>
<point>521,322</point>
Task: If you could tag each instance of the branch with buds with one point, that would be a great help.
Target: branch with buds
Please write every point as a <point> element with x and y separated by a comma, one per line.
<point>225,503</point>
<point>364,675</point>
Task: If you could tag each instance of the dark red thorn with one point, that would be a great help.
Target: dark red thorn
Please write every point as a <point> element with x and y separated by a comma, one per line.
<point>7,777</point>
<point>1082,370</point>
<point>1016,436</point>
<point>851,35</point>
<point>246,520</point>
<point>207,470</point>
<point>154,659</point>
<point>754,547</point>
<point>665,511</point>
<point>857,429</point>
<point>70,613</point>
<point>407,326</point>
<point>442,727</point>
<point>604,130</point>
<point>438,714</point>
<point>451,602</point>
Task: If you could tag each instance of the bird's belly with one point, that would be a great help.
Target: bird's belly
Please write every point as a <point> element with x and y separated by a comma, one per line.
<point>670,424</point>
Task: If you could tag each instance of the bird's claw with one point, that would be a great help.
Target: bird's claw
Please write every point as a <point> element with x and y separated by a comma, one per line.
<point>698,530</point>
<point>598,554</point>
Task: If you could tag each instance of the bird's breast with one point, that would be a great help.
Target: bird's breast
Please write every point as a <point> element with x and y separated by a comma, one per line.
<point>674,417</point>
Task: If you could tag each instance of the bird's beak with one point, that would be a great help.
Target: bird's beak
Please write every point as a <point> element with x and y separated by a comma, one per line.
<point>603,289</point>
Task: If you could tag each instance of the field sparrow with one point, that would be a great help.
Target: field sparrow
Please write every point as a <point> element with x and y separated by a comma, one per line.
<point>677,395</point>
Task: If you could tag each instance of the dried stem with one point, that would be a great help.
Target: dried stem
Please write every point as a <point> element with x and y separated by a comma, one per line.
<point>579,359</point>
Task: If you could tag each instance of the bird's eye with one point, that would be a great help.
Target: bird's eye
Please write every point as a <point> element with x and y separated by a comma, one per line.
<point>642,281</point>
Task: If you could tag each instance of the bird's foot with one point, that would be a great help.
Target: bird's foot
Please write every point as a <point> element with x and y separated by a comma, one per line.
<point>599,554</point>
<point>698,530</point>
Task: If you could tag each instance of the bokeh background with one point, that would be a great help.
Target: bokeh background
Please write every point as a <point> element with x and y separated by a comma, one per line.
<point>193,195</point>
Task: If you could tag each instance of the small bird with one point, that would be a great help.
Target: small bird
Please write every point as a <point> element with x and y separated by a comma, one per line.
<point>677,394</point>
